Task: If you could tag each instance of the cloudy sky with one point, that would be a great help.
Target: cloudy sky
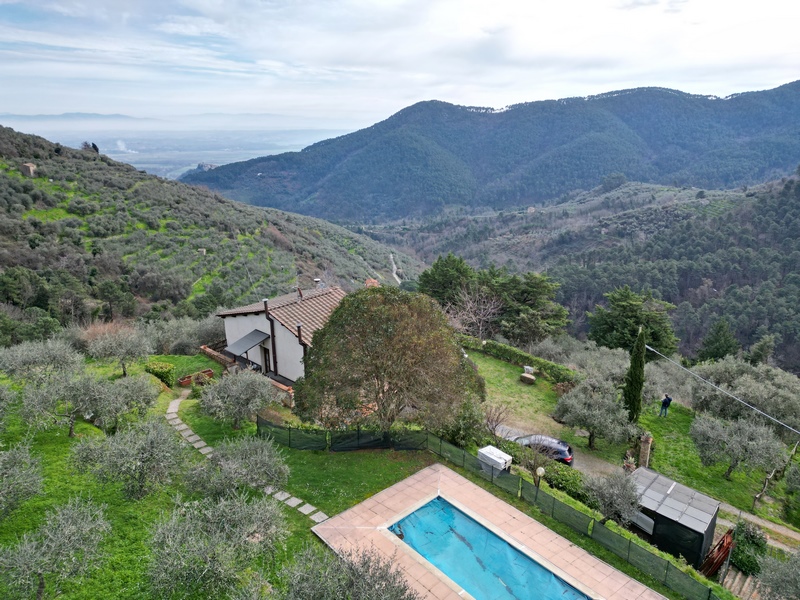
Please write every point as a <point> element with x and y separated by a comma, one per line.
<point>354,62</point>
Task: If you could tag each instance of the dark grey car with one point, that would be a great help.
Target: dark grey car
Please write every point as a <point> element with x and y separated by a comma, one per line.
<point>551,447</point>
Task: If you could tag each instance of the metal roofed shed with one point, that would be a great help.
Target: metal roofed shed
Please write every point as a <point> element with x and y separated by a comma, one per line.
<point>678,519</point>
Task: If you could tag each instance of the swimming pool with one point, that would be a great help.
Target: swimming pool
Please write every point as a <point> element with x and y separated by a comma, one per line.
<point>484,564</point>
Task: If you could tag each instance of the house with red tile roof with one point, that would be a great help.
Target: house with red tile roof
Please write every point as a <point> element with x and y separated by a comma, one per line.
<point>272,336</point>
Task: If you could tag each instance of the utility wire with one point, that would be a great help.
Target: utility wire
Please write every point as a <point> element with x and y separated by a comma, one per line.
<point>692,373</point>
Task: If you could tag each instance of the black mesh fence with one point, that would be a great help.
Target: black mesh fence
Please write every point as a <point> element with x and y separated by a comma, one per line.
<point>574,518</point>
<point>359,439</point>
<point>647,562</point>
<point>276,432</point>
<point>545,502</point>
<point>506,481</point>
<point>344,440</point>
<point>305,439</point>
<point>452,453</point>
<point>685,584</point>
<point>410,440</point>
<point>613,541</point>
<point>472,464</point>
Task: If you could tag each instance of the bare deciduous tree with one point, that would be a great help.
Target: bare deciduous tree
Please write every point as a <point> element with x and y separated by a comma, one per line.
<point>65,546</point>
<point>474,311</point>
<point>494,415</point>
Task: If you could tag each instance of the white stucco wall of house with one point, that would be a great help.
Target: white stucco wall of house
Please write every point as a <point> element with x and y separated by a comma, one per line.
<point>236,327</point>
<point>290,353</point>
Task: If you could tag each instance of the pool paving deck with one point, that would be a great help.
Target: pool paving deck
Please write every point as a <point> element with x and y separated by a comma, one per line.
<point>366,526</point>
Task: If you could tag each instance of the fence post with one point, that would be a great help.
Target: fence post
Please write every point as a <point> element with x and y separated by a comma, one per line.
<point>358,437</point>
<point>629,552</point>
<point>463,458</point>
<point>290,437</point>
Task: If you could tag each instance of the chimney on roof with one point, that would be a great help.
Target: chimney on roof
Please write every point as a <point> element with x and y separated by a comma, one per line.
<point>299,293</point>
<point>266,306</point>
<point>319,283</point>
<point>300,332</point>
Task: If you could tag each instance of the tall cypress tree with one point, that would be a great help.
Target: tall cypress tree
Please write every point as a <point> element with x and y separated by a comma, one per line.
<point>634,380</point>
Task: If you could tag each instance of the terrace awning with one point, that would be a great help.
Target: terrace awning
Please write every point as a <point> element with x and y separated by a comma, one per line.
<point>243,344</point>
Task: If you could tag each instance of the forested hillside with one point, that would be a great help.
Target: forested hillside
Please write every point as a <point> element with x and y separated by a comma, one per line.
<point>87,237</point>
<point>740,260</point>
<point>711,253</point>
<point>432,155</point>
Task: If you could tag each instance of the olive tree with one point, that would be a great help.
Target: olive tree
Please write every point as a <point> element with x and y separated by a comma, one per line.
<point>592,405</point>
<point>239,465</point>
<point>63,547</point>
<point>20,477</point>
<point>37,363</point>
<point>125,344</point>
<point>143,455</point>
<point>322,575</point>
<point>131,395</point>
<point>203,547</point>
<point>780,580</point>
<point>237,397</point>
<point>772,390</point>
<point>62,402</point>
<point>615,495</point>
<point>739,443</point>
<point>100,401</point>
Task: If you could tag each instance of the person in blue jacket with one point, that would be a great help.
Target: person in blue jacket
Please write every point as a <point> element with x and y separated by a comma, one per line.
<point>665,402</point>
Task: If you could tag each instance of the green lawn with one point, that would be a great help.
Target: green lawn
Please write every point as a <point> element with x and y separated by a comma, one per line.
<point>531,405</point>
<point>674,453</point>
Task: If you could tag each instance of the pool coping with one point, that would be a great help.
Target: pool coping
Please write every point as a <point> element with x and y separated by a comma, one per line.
<point>366,525</point>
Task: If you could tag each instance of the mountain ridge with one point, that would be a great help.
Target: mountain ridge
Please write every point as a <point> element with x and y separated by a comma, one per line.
<point>432,154</point>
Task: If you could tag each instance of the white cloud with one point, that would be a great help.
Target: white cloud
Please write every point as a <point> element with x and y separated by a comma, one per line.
<point>362,59</point>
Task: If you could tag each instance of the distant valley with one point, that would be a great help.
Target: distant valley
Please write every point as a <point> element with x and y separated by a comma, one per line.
<point>170,146</point>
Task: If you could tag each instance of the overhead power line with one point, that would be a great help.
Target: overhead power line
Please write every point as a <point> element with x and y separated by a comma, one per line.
<point>716,387</point>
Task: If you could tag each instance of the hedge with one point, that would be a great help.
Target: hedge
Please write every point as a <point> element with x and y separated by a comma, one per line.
<point>163,371</point>
<point>558,373</point>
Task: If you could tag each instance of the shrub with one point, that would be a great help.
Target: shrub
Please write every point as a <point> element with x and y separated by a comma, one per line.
<point>515,356</point>
<point>163,371</point>
<point>751,544</point>
<point>568,480</point>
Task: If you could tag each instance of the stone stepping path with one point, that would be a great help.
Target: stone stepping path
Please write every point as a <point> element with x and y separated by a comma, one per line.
<point>183,428</point>
<point>195,440</point>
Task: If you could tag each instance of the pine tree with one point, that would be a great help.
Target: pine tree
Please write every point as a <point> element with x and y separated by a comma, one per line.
<point>634,380</point>
<point>719,343</point>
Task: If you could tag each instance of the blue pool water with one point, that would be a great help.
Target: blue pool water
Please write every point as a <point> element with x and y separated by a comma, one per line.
<point>481,562</point>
